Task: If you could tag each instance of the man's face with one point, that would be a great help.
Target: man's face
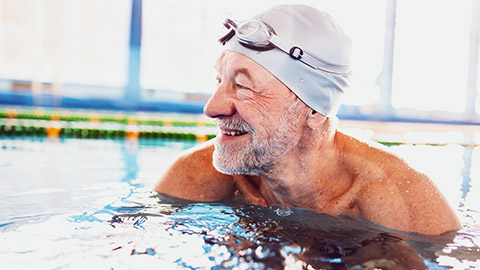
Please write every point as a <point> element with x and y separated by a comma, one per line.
<point>259,118</point>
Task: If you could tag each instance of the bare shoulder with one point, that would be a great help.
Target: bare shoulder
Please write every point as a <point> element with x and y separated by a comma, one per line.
<point>393,194</point>
<point>193,177</point>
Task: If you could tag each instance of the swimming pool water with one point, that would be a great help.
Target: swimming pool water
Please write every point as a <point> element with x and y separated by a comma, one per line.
<point>87,204</point>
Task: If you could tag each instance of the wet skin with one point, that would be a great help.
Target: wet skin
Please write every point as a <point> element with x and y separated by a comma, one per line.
<point>312,165</point>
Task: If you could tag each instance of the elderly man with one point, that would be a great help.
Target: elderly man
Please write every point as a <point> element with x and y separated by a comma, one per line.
<point>280,78</point>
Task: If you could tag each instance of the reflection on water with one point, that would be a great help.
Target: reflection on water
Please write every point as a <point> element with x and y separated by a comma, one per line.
<point>153,231</point>
<point>80,204</point>
<point>472,196</point>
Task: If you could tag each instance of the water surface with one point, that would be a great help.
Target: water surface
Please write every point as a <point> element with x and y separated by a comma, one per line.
<point>88,204</point>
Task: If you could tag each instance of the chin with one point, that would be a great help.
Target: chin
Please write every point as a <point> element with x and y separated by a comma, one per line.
<point>234,164</point>
<point>225,165</point>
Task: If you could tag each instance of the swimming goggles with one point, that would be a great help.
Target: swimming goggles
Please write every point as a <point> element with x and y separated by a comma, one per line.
<point>258,35</point>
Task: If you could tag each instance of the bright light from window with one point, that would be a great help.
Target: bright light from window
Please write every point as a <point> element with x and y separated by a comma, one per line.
<point>179,42</point>
<point>65,41</point>
<point>431,55</point>
<point>473,196</point>
<point>477,104</point>
<point>364,22</point>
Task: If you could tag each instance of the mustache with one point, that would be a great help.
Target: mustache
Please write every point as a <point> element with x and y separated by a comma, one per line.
<point>233,123</point>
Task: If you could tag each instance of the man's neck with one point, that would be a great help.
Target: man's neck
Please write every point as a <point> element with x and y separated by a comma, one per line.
<point>309,175</point>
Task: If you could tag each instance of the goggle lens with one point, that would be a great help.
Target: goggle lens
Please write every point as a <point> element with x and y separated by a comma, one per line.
<point>254,33</point>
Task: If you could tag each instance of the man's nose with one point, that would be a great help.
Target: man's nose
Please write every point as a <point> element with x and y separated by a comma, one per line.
<point>220,104</point>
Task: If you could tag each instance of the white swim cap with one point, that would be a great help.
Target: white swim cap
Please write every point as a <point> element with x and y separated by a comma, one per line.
<point>310,35</point>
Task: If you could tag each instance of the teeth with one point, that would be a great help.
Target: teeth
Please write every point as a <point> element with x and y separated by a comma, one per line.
<point>233,133</point>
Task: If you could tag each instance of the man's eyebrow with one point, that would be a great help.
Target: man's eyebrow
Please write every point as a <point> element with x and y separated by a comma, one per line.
<point>243,71</point>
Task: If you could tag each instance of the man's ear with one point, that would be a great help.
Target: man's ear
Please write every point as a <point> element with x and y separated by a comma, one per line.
<point>315,119</point>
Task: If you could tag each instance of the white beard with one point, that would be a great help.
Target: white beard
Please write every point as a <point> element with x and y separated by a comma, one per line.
<point>259,157</point>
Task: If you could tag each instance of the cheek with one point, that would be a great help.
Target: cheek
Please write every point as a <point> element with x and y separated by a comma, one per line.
<point>263,116</point>
<point>255,104</point>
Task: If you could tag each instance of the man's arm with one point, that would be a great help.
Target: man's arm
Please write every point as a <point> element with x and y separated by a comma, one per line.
<point>193,177</point>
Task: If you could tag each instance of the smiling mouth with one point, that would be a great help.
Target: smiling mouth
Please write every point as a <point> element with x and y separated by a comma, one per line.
<point>233,132</point>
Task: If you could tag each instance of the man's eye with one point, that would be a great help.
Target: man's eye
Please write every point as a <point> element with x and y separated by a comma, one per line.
<point>241,86</point>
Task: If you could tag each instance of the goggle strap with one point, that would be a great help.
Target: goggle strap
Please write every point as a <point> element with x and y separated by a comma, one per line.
<point>230,25</point>
<point>277,42</point>
<point>226,37</point>
<point>320,65</point>
<point>299,54</point>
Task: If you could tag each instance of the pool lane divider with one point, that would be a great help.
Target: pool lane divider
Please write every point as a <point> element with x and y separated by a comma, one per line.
<point>99,116</point>
<point>19,121</point>
<point>97,130</point>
